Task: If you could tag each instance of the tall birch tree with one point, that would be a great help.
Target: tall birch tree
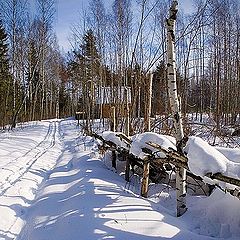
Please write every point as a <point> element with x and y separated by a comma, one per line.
<point>175,106</point>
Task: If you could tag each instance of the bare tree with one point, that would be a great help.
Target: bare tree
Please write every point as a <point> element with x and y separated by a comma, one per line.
<point>46,11</point>
<point>175,107</point>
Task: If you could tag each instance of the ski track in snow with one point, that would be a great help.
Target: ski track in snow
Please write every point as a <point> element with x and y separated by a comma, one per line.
<point>37,152</point>
<point>15,173</point>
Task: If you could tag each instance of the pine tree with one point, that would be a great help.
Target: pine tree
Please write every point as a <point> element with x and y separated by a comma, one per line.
<point>33,83</point>
<point>91,65</point>
<point>160,89</point>
<point>91,56</point>
<point>5,79</point>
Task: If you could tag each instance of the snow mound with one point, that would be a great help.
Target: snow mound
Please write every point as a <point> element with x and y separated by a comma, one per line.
<point>112,136</point>
<point>140,140</point>
<point>232,154</point>
<point>204,158</point>
<point>216,215</point>
<point>233,169</point>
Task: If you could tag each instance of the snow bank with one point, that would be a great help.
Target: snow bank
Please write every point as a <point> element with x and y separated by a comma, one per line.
<point>140,140</point>
<point>232,154</point>
<point>233,170</point>
<point>216,215</point>
<point>112,136</point>
<point>203,158</point>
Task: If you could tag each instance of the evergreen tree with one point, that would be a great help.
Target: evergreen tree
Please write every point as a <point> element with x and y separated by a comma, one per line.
<point>33,80</point>
<point>91,56</point>
<point>91,65</point>
<point>5,79</point>
<point>160,105</point>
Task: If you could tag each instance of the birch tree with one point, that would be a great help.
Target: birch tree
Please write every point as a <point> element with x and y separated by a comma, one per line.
<point>46,14</point>
<point>98,24</point>
<point>175,106</point>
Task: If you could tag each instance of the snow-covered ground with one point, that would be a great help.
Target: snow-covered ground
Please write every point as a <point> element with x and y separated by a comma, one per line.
<point>54,185</point>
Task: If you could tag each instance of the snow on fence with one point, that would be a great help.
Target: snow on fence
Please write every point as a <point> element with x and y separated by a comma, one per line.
<point>157,152</point>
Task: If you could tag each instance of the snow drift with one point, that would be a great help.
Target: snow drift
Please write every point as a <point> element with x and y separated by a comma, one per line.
<point>140,141</point>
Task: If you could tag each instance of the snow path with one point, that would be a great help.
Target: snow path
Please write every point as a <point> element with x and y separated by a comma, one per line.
<point>54,187</point>
<point>82,199</point>
<point>23,166</point>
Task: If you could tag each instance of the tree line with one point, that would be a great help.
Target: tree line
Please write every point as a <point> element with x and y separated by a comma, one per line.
<point>32,80</point>
<point>119,46</point>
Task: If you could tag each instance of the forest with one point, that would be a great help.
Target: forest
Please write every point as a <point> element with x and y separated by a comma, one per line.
<point>116,48</point>
<point>131,133</point>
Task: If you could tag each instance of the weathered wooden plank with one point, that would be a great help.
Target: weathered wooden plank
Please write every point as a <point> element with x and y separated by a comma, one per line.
<point>169,153</point>
<point>122,136</point>
<point>223,178</point>
<point>145,179</point>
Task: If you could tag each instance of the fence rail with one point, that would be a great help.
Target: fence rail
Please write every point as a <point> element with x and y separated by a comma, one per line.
<point>153,164</point>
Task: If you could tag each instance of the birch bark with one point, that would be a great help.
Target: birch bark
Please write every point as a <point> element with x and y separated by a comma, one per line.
<point>175,106</point>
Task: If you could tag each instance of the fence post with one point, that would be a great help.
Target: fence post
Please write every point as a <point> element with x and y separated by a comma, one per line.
<point>145,180</point>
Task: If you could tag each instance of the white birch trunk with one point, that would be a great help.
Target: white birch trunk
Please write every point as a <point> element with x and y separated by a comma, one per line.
<point>175,107</point>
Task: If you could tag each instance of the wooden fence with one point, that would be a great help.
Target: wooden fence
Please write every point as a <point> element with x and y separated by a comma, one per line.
<point>152,163</point>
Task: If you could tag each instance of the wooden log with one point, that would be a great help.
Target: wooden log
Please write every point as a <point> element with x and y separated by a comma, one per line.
<point>169,153</point>
<point>109,143</point>
<point>223,178</point>
<point>114,159</point>
<point>181,161</point>
<point>235,192</point>
<point>173,161</point>
<point>122,136</point>
<point>145,179</point>
<point>172,157</point>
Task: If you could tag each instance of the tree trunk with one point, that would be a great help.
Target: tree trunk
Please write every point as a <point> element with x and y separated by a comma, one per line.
<point>175,108</point>
<point>148,110</point>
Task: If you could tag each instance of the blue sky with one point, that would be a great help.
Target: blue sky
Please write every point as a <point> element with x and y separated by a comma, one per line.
<point>69,11</point>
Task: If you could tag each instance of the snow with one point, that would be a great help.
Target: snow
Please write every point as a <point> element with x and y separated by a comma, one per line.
<point>25,158</point>
<point>232,154</point>
<point>112,136</point>
<point>204,158</point>
<point>215,215</point>
<point>54,185</point>
<point>140,140</point>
